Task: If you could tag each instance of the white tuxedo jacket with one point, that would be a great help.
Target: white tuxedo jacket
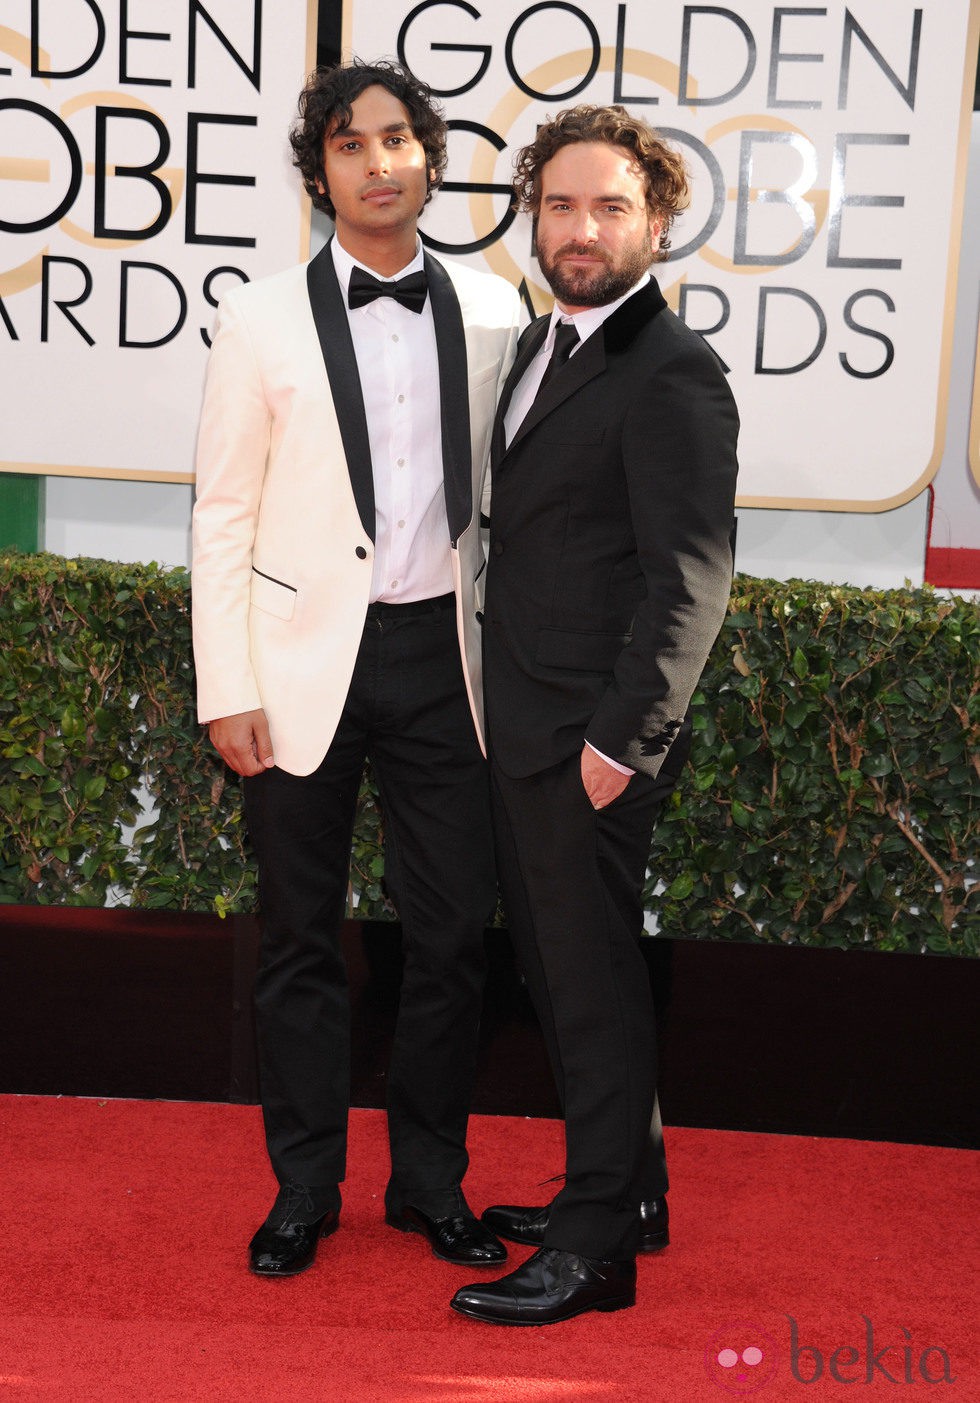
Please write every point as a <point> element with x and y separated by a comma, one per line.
<point>284,520</point>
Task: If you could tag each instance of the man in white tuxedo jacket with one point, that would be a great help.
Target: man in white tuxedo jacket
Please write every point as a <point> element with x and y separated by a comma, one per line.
<point>343,445</point>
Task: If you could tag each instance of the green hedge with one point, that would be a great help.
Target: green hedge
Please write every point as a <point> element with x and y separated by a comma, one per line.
<point>832,797</point>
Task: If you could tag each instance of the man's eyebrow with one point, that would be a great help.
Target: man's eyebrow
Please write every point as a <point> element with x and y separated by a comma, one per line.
<point>559,199</point>
<point>391,129</point>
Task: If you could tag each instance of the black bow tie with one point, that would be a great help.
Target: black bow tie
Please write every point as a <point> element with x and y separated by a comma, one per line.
<point>409,291</point>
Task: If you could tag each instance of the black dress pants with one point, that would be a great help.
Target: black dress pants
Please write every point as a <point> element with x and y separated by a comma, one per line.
<point>572,880</point>
<point>408,712</point>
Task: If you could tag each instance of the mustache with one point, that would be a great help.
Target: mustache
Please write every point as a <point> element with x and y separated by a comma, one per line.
<point>579,251</point>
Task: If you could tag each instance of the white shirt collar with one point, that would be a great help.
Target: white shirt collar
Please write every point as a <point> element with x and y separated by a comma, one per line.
<point>345,263</point>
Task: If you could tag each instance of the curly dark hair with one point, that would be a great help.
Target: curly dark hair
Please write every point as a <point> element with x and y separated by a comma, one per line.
<point>325,105</point>
<point>666,175</point>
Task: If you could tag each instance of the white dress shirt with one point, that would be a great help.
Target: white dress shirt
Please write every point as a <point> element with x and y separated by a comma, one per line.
<point>585,323</point>
<point>397,362</point>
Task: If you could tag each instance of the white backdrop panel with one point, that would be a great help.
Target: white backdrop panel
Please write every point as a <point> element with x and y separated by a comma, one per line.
<point>827,146</point>
<point>144,166</point>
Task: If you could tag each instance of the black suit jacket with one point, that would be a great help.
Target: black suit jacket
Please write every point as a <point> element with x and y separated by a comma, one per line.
<point>610,558</point>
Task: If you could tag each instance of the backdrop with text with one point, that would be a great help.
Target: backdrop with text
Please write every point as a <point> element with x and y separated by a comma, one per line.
<point>827,147</point>
<point>144,168</point>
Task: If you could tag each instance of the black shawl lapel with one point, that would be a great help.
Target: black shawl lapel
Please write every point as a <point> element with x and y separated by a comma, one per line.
<point>612,338</point>
<point>333,330</point>
<point>528,347</point>
<point>630,319</point>
<point>585,365</point>
<point>457,469</point>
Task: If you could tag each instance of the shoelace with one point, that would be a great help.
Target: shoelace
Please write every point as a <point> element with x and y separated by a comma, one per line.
<point>296,1196</point>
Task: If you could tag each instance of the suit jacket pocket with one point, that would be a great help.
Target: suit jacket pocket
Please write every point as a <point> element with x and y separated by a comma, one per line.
<point>272,596</point>
<point>584,652</point>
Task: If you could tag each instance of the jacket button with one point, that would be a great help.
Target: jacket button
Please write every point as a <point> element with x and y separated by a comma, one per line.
<point>361,553</point>
<point>479,616</point>
<point>498,547</point>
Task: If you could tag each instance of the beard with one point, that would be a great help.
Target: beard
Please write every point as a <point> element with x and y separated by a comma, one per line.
<point>595,287</point>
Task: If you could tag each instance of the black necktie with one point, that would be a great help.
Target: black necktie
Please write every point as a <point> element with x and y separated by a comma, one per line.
<point>409,291</point>
<point>566,339</point>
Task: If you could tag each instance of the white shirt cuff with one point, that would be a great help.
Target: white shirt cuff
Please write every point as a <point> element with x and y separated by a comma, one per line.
<point>623,769</point>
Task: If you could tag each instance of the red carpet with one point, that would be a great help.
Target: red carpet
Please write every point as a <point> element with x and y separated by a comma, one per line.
<point>122,1277</point>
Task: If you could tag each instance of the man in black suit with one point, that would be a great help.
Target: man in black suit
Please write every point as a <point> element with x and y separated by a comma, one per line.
<point>613,471</point>
<point>344,437</point>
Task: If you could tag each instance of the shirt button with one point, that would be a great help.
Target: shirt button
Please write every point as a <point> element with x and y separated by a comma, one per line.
<point>400,525</point>
<point>401,399</point>
<point>400,463</point>
<point>394,338</point>
<point>393,585</point>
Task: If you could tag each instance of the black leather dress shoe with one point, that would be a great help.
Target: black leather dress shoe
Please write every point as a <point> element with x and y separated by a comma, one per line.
<point>654,1229</point>
<point>527,1225</point>
<point>524,1225</point>
<point>548,1287</point>
<point>284,1246</point>
<point>460,1238</point>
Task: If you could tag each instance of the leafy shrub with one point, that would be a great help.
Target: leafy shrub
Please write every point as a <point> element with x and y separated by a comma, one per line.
<point>836,775</point>
<point>832,797</point>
